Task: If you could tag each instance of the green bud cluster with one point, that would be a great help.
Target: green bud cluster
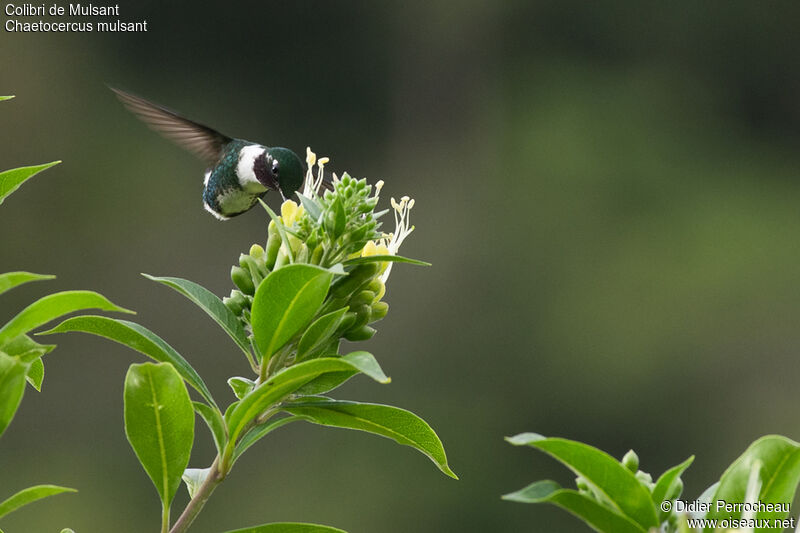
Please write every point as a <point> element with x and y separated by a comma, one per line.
<point>340,222</point>
<point>251,270</point>
<point>324,231</point>
<point>360,291</point>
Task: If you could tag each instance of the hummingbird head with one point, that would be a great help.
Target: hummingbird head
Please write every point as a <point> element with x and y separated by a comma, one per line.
<point>288,170</point>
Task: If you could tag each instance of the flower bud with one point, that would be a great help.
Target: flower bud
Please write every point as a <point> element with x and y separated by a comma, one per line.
<point>378,287</point>
<point>257,251</point>
<point>235,302</point>
<point>631,461</point>
<point>363,313</point>
<point>361,334</point>
<point>273,245</point>
<point>251,265</point>
<point>583,485</point>
<point>379,310</point>
<point>241,278</point>
<point>364,297</point>
<point>316,255</point>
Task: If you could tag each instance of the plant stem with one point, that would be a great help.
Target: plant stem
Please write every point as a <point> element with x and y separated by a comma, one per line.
<point>215,477</point>
<point>164,518</point>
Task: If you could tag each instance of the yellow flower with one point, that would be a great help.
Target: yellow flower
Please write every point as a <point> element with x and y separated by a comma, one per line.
<point>290,213</point>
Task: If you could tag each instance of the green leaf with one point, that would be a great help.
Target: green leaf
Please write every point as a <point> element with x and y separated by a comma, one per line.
<point>35,374</point>
<point>364,361</point>
<point>9,280</point>
<point>318,333</point>
<point>159,423</point>
<point>598,516</point>
<point>615,485</point>
<point>212,305</point>
<point>10,180</point>
<point>384,259</point>
<point>285,302</point>
<point>287,381</point>
<point>397,424</point>
<point>779,475</point>
<point>289,527</point>
<point>311,207</point>
<point>194,478</point>
<point>260,431</point>
<point>241,386</point>
<point>326,383</point>
<point>138,338</point>
<point>53,306</point>
<point>27,349</point>
<point>665,485</point>
<point>213,419</point>
<point>6,98</point>
<point>30,495</point>
<point>12,387</point>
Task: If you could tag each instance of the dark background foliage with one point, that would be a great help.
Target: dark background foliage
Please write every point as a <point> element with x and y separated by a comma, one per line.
<point>608,192</point>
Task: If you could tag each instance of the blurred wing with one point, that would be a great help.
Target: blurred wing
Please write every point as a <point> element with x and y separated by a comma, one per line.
<point>201,140</point>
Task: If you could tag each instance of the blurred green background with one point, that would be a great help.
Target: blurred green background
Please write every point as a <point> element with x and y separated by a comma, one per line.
<point>607,191</point>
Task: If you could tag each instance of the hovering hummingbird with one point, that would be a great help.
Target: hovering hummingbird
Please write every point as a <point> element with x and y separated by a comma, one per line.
<point>239,172</point>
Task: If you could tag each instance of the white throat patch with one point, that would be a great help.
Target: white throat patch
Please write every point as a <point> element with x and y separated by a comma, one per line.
<point>244,170</point>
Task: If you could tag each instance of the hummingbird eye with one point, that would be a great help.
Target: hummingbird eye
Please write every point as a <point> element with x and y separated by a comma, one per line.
<point>274,167</point>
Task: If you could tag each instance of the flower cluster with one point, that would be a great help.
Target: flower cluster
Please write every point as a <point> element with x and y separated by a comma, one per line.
<point>334,226</point>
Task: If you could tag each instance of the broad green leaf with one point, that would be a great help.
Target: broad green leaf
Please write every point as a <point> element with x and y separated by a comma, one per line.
<point>53,306</point>
<point>287,381</point>
<point>30,495</point>
<point>318,333</point>
<point>27,349</point>
<point>779,475</point>
<point>159,423</point>
<point>138,338</point>
<point>260,431</point>
<point>6,98</point>
<point>384,259</point>
<point>666,484</point>
<point>241,386</point>
<point>397,424</point>
<point>326,383</point>
<point>194,478</point>
<point>10,180</point>
<point>364,361</point>
<point>12,387</point>
<point>614,484</point>
<point>598,516</point>
<point>36,374</point>
<point>212,305</point>
<point>289,527</point>
<point>285,302</point>
<point>9,280</point>
<point>213,419</point>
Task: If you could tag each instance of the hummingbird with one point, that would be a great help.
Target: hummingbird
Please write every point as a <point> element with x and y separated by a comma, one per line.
<point>238,172</point>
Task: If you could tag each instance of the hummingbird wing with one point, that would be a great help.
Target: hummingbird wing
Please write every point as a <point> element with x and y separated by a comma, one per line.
<point>206,143</point>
